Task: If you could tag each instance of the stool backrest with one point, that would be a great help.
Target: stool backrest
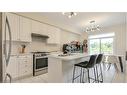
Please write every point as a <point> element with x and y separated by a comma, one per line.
<point>92,60</point>
<point>99,59</point>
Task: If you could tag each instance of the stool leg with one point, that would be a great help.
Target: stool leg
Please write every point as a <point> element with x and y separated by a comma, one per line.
<point>73,75</point>
<point>109,66</point>
<point>81,75</point>
<point>88,75</point>
<point>95,74</point>
<point>101,73</point>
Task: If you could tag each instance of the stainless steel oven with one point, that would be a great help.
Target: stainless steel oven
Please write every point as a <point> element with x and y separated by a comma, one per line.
<point>40,63</point>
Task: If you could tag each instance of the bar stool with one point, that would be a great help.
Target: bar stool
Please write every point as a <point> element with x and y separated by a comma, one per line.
<point>85,65</point>
<point>98,63</point>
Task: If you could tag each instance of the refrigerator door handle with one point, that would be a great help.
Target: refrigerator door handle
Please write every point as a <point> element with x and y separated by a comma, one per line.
<point>7,55</point>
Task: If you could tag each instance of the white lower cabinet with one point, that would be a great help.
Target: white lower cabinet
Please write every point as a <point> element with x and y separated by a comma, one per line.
<point>12,68</point>
<point>25,65</point>
<point>20,66</point>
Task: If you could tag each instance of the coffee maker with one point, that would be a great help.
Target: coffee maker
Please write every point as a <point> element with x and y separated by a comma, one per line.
<point>72,48</point>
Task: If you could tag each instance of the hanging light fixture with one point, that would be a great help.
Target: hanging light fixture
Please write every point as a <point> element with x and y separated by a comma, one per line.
<point>69,14</point>
<point>93,27</point>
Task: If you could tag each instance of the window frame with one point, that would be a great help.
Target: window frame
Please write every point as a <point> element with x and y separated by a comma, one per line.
<point>100,43</point>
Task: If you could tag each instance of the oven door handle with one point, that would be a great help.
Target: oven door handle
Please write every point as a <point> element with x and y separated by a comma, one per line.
<point>41,57</point>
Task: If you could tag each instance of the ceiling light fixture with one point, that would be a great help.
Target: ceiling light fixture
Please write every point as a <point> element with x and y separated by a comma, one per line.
<point>69,14</point>
<point>93,27</point>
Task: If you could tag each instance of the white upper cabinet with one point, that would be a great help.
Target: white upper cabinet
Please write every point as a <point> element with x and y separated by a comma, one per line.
<point>54,35</point>
<point>39,28</point>
<point>20,28</point>
<point>25,29</point>
<point>36,26</point>
<point>45,29</point>
<point>14,26</point>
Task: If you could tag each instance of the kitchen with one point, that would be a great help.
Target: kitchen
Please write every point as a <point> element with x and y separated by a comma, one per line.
<point>37,36</point>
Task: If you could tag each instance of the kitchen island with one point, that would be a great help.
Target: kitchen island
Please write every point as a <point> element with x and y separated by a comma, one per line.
<point>60,68</point>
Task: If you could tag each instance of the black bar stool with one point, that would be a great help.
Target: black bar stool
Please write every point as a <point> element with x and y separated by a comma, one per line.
<point>85,65</point>
<point>98,63</point>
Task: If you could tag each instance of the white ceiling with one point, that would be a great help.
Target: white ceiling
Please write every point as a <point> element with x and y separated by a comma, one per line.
<point>80,21</point>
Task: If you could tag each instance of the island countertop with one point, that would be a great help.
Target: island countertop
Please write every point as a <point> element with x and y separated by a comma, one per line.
<point>60,68</point>
<point>71,56</point>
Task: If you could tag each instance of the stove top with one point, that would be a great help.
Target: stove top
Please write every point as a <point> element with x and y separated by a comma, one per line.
<point>39,54</point>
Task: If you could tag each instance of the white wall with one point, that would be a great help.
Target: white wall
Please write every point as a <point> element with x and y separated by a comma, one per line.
<point>83,36</point>
<point>120,37</point>
<point>67,37</point>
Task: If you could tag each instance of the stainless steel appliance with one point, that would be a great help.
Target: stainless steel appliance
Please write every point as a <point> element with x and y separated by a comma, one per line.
<point>40,63</point>
<point>5,44</point>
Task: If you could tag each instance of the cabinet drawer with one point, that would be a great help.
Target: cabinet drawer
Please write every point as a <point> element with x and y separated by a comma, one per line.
<point>25,63</point>
<point>25,66</point>
<point>25,71</point>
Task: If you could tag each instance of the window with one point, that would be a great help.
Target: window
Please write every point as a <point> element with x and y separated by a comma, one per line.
<point>101,44</point>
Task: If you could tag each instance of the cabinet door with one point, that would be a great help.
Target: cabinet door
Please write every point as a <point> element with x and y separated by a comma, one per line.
<point>54,35</point>
<point>12,68</point>
<point>14,25</point>
<point>25,29</point>
<point>36,26</point>
<point>57,36</point>
<point>43,29</point>
<point>25,65</point>
<point>39,28</point>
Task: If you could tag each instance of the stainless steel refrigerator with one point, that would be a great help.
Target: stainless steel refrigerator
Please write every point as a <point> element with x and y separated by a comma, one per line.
<point>5,46</point>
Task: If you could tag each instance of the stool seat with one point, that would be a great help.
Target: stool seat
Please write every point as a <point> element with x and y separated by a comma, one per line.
<point>82,64</point>
<point>85,65</point>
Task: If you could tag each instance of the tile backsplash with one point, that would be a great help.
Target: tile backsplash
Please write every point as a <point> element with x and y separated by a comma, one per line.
<point>40,44</point>
<point>37,44</point>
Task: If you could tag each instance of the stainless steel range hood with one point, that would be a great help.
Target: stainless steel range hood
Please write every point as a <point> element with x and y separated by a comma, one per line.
<point>39,35</point>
